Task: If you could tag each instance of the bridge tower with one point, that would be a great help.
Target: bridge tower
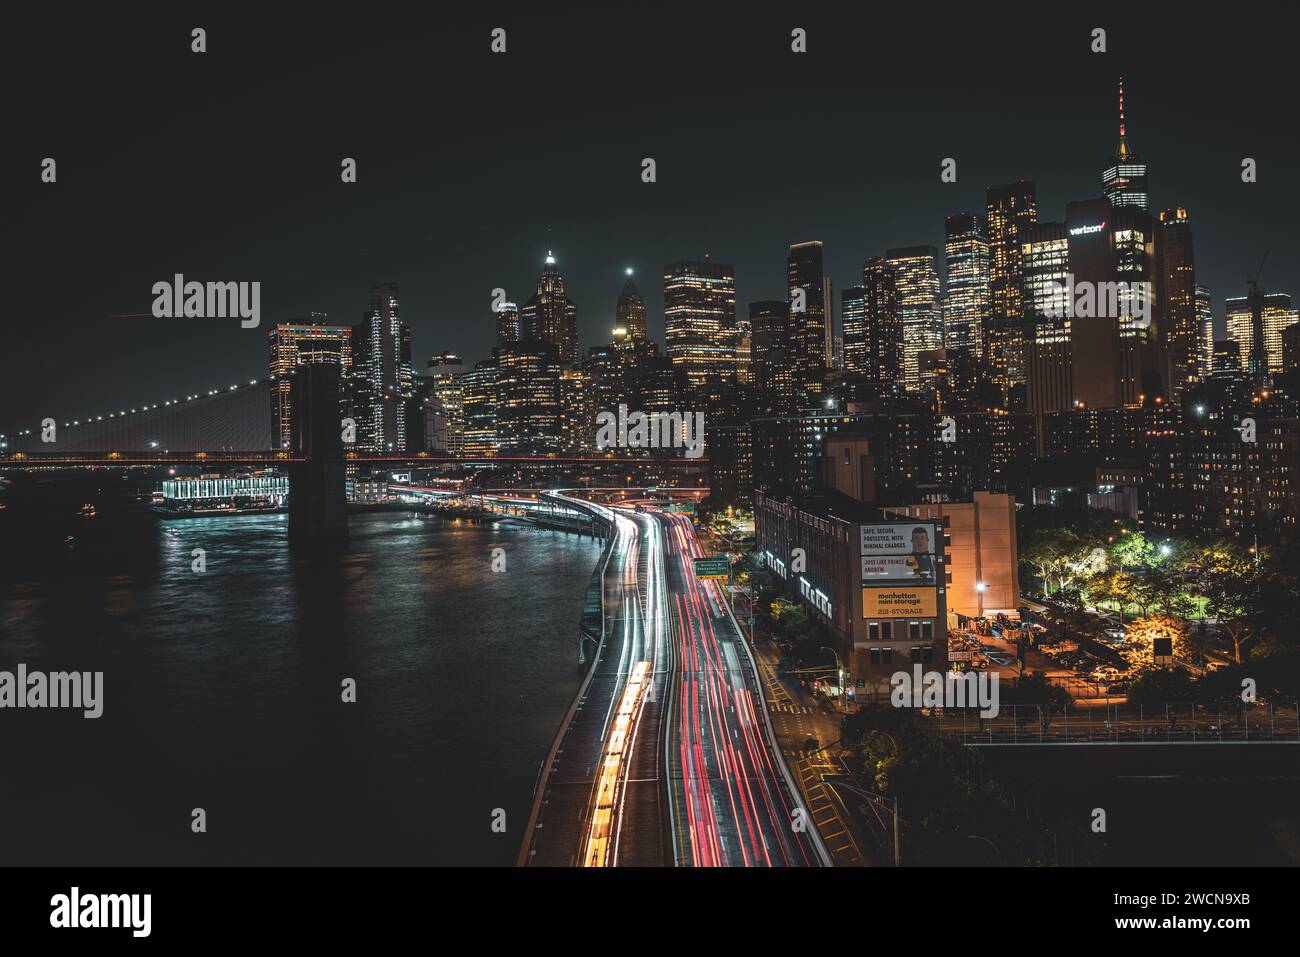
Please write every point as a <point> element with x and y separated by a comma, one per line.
<point>318,514</point>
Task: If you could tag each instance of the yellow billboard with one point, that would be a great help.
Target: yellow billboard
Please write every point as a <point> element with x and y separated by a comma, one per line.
<point>899,602</point>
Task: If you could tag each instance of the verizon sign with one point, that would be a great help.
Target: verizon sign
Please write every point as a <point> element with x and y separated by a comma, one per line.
<point>1087,230</point>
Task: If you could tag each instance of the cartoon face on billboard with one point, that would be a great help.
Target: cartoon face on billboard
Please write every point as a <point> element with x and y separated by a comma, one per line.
<point>899,554</point>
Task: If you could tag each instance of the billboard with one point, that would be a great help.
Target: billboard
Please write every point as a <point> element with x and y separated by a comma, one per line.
<point>899,553</point>
<point>901,602</point>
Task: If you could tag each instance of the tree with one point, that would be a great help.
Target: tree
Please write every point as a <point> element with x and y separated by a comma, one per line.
<point>1232,591</point>
<point>1059,545</point>
<point>1167,594</point>
<point>1161,686</point>
<point>1132,550</point>
<point>795,631</point>
<point>1036,690</point>
<point>1142,633</point>
<point>1112,586</point>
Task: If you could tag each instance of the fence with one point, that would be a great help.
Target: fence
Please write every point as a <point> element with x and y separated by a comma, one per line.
<point>1129,723</point>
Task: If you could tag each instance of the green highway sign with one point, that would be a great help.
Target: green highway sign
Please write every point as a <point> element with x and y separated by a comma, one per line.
<point>713,567</point>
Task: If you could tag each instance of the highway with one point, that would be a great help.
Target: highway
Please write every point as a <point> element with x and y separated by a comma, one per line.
<point>598,801</point>
<point>732,802</point>
<point>666,758</point>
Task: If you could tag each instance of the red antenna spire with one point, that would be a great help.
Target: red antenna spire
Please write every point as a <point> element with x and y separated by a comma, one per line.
<point>1122,151</point>
<point>1121,106</point>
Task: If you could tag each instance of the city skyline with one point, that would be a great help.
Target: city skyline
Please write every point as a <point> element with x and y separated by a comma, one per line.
<point>858,205</point>
<point>644,438</point>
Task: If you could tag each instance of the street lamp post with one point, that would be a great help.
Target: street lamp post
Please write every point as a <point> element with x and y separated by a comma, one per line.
<point>897,856</point>
<point>839,668</point>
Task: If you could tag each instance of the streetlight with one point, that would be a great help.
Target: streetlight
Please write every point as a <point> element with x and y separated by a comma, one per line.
<point>980,587</point>
<point>897,753</point>
<point>839,668</point>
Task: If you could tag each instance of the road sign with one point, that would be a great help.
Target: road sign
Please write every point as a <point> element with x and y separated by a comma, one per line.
<point>713,567</point>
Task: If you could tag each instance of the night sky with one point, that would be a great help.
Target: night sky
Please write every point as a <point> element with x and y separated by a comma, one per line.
<point>224,166</point>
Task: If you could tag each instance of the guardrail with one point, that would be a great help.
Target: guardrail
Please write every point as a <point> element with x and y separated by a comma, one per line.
<point>774,746</point>
<point>544,772</point>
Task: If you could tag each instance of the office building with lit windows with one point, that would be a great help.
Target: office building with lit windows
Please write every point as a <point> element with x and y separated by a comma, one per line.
<point>1010,211</point>
<point>479,398</point>
<point>810,325</point>
<point>507,322</point>
<point>577,411</point>
<point>1205,327</point>
<point>297,343</point>
<point>770,355</point>
<point>629,311</point>
<point>528,409</point>
<point>550,316</point>
<point>700,319</point>
<point>853,316</point>
<point>887,576</point>
<point>1045,265</point>
<point>916,281</point>
<point>1275,313</point>
<point>382,381</point>
<point>966,305</point>
<point>445,374</point>
<point>882,331</point>
<point>1178,327</point>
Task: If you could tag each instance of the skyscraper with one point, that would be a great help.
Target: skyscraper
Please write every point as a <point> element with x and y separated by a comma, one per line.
<point>1124,180</point>
<point>528,418</point>
<point>966,308</point>
<point>770,354</point>
<point>550,316</point>
<point>853,318</point>
<point>1010,210</point>
<point>577,411</point>
<point>629,313</point>
<point>811,333</point>
<point>445,373</point>
<point>1109,345</point>
<point>1178,329</point>
<point>382,379</point>
<point>1270,311</point>
<point>883,328</point>
<point>743,343</point>
<point>917,281</point>
<point>480,404</point>
<point>507,314</point>
<point>700,319</point>
<point>293,344</point>
<point>1045,264</point>
<point>1205,325</point>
